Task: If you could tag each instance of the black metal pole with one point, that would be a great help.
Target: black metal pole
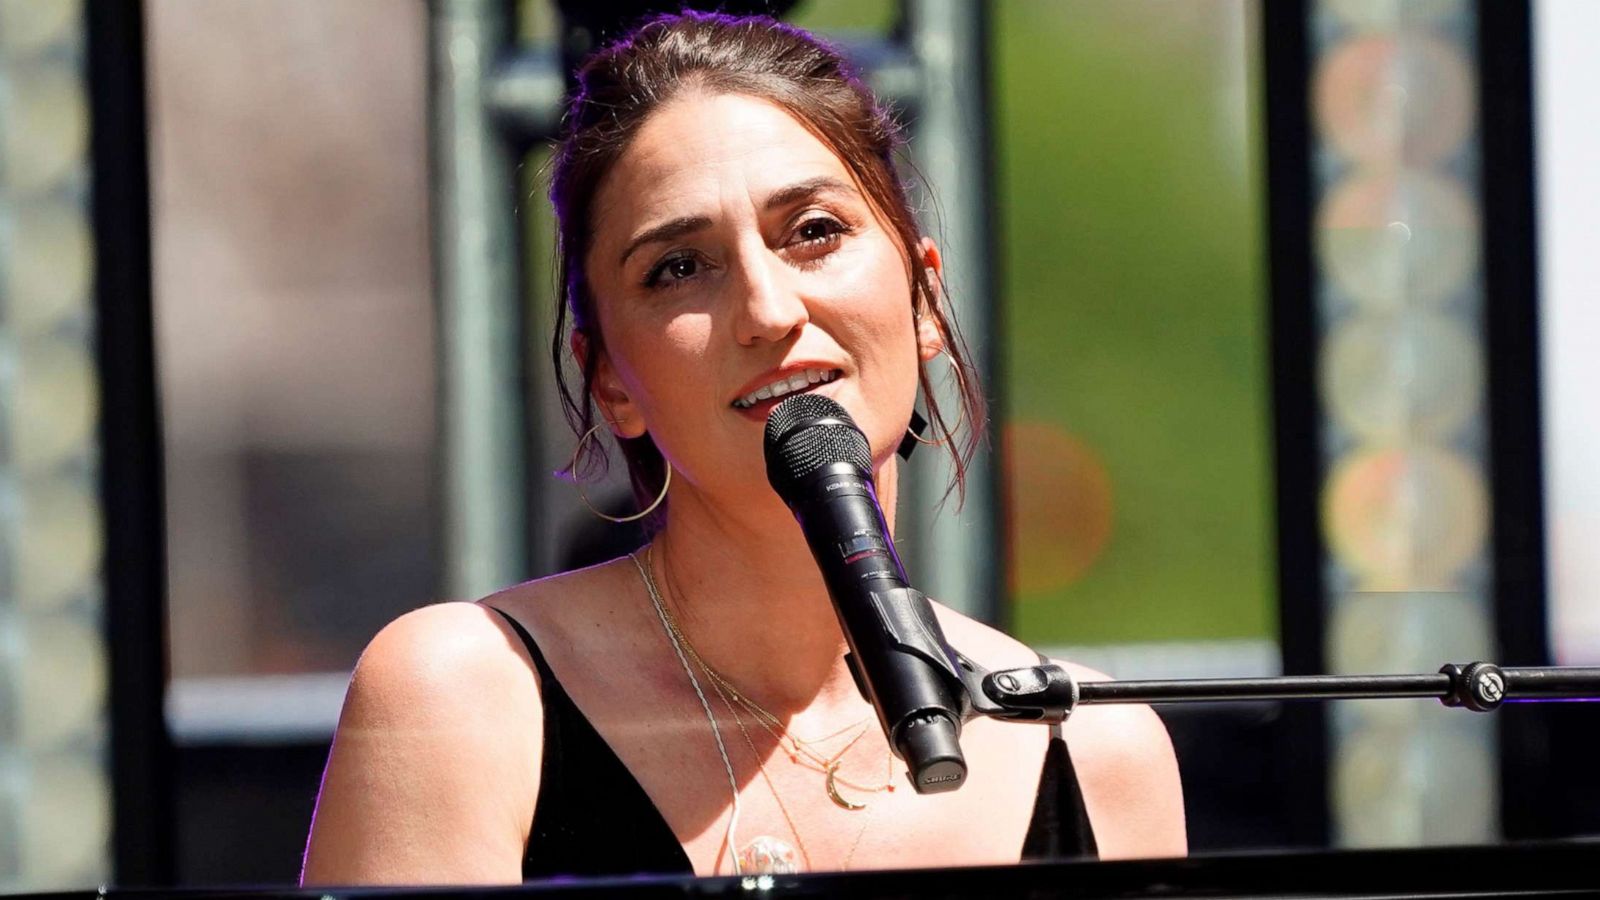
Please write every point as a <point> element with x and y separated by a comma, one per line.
<point>131,458</point>
<point>1519,684</point>
<point>1550,786</point>
<point>1305,687</point>
<point>1049,692</point>
<point>1296,426</point>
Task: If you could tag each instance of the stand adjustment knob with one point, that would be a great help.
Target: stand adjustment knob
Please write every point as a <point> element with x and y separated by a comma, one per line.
<point>1479,686</point>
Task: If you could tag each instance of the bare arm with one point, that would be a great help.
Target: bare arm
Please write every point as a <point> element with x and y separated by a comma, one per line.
<point>434,771</point>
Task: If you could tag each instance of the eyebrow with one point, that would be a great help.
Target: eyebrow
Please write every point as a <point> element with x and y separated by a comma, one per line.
<point>676,228</point>
<point>802,190</point>
<point>666,231</point>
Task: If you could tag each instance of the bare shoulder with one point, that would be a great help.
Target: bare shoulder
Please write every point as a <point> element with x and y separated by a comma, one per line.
<point>438,649</point>
<point>442,667</point>
<point>1129,775</point>
<point>428,780</point>
<point>1123,755</point>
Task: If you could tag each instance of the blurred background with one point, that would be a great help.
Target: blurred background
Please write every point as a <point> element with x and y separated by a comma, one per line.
<point>1288,349</point>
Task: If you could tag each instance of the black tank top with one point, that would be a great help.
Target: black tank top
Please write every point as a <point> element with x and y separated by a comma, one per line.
<point>587,797</point>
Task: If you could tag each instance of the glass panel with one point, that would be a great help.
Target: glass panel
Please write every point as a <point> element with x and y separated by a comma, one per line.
<point>1136,435</point>
<point>295,328</point>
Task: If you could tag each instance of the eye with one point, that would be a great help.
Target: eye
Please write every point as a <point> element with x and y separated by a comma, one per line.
<point>671,271</point>
<point>818,231</point>
<point>816,238</point>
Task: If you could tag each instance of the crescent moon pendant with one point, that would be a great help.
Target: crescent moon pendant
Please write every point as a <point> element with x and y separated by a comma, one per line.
<point>833,791</point>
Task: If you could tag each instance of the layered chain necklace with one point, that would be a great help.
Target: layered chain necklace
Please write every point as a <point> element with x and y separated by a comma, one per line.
<point>799,749</point>
<point>764,853</point>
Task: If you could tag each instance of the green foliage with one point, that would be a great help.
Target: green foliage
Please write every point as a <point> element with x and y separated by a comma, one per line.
<point>1133,304</point>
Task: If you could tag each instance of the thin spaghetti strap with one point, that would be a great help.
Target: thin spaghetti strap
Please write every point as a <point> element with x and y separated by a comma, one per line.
<point>545,676</point>
<point>1055,730</point>
<point>587,797</point>
<point>1060,827</point>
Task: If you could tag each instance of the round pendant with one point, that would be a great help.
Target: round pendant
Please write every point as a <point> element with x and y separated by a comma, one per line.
<point>768,855</point>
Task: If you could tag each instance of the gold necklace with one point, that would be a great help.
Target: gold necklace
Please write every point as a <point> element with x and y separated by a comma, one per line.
<point>761,766</point>
<point>829,767</point>
<point>768,719</point>
<point>773,724</point>
<point>844,865</point>
<point>750,705</point>
<point>755,708</point>
<point>763,854</point>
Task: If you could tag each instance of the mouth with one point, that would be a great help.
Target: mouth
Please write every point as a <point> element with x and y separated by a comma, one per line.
<point>759,402</point>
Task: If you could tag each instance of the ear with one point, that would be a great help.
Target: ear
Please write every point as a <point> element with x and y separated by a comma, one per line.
<point>609,393</point>
<point>930,339</point>
<point>928,252</point>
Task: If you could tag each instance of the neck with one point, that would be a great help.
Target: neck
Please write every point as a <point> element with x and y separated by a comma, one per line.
<point>747,594</point>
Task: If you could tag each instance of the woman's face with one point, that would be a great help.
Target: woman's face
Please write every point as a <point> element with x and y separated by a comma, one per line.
<point>732,253</point>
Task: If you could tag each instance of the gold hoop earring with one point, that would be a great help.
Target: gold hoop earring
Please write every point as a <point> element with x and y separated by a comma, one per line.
<point>572,467</point>
<point>961,388</point>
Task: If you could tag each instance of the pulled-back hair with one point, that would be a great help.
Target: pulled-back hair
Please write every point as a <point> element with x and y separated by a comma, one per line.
<point>624,83</point>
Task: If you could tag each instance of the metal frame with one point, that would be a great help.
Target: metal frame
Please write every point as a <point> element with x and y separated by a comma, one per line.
<point>1545,761</point>
<point>131,474</point>
<point>1296,408</point>
<point>1510,260</point>
<point>480,324</point>
<point>955,555</point>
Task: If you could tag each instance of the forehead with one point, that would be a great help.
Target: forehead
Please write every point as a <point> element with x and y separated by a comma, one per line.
<point>703,149</point>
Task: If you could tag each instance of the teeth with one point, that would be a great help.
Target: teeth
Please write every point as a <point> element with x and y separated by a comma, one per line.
<point>786,386</point>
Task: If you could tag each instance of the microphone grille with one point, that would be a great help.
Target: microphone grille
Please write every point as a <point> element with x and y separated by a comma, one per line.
<point>805,433</point>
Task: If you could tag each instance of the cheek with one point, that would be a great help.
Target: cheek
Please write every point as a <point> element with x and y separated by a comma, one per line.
<point>873,321</point>
<point>883,317</point>
<point>869,287</point>
<point>659,359</point>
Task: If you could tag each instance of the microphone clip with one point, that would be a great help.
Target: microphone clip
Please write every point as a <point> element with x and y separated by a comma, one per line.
<point>1044,693</point>
<point>907,618</point>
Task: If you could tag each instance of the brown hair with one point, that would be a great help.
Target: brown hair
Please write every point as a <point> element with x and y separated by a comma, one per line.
<point>618,89</point>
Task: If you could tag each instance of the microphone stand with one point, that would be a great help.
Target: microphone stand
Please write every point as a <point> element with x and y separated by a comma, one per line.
<point>1048,693</point>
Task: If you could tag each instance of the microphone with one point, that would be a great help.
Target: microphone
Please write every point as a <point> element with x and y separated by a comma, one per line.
<point>819,462</point>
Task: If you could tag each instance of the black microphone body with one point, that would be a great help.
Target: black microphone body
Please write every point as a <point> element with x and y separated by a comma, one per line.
<point>820,464</point>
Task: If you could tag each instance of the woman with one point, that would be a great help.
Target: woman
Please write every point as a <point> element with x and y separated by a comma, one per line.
<point>731,230</point>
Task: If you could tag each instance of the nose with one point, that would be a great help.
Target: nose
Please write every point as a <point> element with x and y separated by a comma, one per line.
<point>767,306</point>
